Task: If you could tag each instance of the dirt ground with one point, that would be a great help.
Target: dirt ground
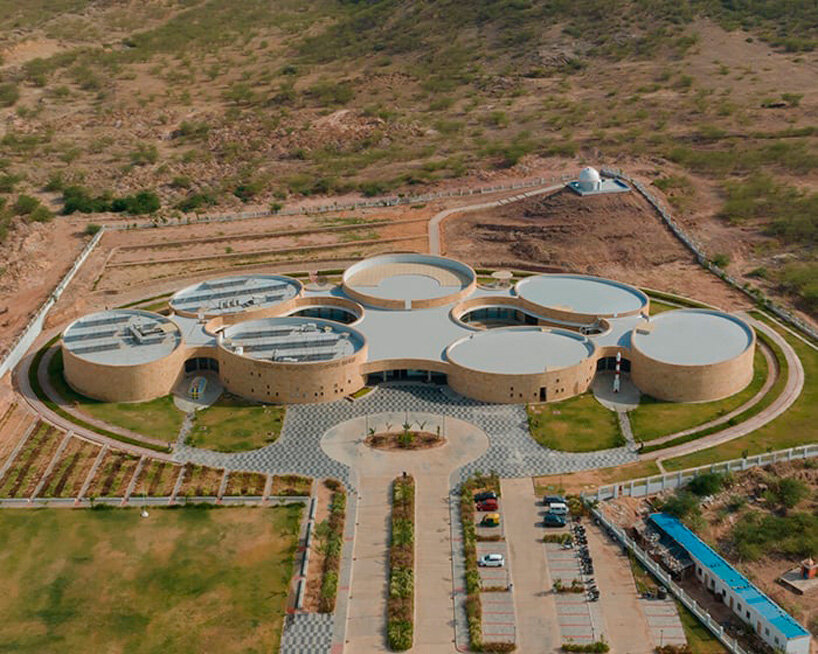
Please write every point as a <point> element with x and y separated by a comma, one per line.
<point>316,565</point>
<point>718,522</point>
<point>34,259</point>
<point>617,236</point>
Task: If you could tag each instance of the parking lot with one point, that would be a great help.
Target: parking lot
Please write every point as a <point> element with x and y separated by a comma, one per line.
<point>538,618</point>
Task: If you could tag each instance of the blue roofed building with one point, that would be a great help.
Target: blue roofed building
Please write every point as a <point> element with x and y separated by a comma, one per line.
<point>770,622</point>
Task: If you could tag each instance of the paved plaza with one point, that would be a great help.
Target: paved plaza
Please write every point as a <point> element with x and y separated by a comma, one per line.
<point>511,453</point>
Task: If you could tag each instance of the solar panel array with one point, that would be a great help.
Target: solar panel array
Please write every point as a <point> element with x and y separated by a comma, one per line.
<point>125,332</point>
<point>299,344</point>
<point>227,295</point>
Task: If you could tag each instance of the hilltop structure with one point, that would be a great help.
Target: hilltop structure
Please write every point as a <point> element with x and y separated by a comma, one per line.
<point>590,182</point>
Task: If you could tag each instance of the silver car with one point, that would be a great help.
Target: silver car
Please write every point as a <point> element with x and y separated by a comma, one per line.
<point>492,561</point>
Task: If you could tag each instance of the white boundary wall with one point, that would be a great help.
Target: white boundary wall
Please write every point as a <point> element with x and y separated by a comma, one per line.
<point>35,326</point>
<point>669,481</point>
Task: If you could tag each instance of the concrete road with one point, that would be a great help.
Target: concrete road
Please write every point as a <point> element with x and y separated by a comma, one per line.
<point>373,472</point>
<point>627,630</point>
<point>537,629</point>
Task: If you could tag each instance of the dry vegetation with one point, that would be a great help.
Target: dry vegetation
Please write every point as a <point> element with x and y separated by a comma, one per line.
<point>169,108</point>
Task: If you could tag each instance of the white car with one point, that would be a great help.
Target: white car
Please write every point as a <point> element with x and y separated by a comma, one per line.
<point>492,561</point>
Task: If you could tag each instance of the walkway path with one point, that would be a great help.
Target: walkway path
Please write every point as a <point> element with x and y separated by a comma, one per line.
<point>437,219</point>
<point>372,473</point>
<point>790,393</point>
<point>535,607</point>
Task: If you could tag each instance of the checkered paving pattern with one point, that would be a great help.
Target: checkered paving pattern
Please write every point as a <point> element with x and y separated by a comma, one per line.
<point>498,617</point>
<point>512,452</point>
<point>307,633</point>
<point>663,621</point>
<point>579,620</point>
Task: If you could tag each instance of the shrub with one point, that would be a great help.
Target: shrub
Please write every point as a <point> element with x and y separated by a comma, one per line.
<point>682,505</point>
<point>197,201</point>
<point>41,215</point>
<point>9,94</point>
<point>92,228</point>
<point>144,154</point>
<point>399,634</point>
<point>707,484</point>
<point>140,203</point>
<point>598,646</point>
<point>25,205</point>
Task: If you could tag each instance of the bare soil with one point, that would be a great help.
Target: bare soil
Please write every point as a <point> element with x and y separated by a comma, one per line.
<point>315,569</point>
<point>617,236</point>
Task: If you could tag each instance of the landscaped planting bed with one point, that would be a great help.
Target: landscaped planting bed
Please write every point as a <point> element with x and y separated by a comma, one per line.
<point>71,470</point>
<point>157,479</point>
<point>27,468</point>
<point>113,475</point>
<point>330,534</point>
<point>246,483</point>
<point>401,603</point>
<point>474,608</point>
<point>201,481</point>
<point>291,485</point>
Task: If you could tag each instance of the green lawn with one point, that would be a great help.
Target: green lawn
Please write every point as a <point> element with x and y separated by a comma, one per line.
<point>654,418</point>
<point>579,424</point>
<point>699,637</point>
<point>660,307</point>
<point>158,418</point>
<point>795,427</point>
<point>181,580</point>
<point>235,425</point>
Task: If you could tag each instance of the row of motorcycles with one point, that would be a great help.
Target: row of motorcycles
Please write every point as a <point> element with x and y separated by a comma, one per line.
<point>586,562</point>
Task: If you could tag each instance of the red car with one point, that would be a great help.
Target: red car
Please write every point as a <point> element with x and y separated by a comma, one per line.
<point>487,505</point>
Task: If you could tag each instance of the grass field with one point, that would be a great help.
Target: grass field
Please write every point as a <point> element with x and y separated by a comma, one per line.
<point>183,580</point>
<point>657,306</point>
<point>795,427</point>
<point>654,418</point>
<point>235,425</point>
<point>579,424</point>
<point>158,418</point>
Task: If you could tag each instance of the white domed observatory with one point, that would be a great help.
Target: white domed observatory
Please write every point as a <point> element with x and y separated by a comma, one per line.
<point>589,179</point>
<point>590,182</point>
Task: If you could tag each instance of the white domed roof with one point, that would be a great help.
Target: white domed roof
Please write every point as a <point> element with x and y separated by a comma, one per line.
<point>589,175</point>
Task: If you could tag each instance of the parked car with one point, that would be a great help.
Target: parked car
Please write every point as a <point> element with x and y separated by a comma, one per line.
<point>558,508</point>
<point>490,520</point>
<point>551,499</point>
<point>553,520</point>
<point>492,561</point>
<point>487,505</point>
<point>485,495</point>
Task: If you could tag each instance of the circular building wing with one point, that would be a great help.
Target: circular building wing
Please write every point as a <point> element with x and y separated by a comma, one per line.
<point>692,337</point>
<point>580,295</point>
<point>292,340</point>
<point>520,350</point>
<point>406,281</point>
<point>229,295</point>
<point>122,337</point>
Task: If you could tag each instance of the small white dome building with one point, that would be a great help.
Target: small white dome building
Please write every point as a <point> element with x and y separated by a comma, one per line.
<point>590,182</point>
<point>589,179</point>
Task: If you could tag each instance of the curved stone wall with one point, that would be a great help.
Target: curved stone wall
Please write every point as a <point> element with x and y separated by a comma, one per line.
<point>133,383</point>
<point>699,383</point>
